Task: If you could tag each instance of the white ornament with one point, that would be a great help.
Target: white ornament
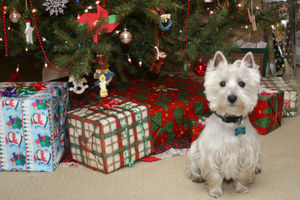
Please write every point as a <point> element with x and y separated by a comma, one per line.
<point>55,6</point>
<point>78,85</point>
<point>28,32</point>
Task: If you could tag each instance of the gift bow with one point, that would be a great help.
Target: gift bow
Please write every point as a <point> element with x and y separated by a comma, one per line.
<point>38,86</point>
<point>161,89</point>
<point>26,91</point>
<point>20,85</point>
<point>110,103</point>
<point>10,92</point>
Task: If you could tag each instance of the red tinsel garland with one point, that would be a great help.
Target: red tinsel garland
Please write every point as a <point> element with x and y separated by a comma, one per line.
<point>186,24</point>
<point>5,31</point>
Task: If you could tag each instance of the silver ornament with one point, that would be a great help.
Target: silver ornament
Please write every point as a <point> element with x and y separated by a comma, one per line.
<point>126,36</point>
<point>55,6</point>
<point>14,16</point>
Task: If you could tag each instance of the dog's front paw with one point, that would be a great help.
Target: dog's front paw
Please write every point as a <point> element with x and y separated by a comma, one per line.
<point>197,179</point>
<point>240,188</point>
<point>215,192</point>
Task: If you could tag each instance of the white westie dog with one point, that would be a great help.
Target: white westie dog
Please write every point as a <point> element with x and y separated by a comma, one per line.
<point>229,147</point>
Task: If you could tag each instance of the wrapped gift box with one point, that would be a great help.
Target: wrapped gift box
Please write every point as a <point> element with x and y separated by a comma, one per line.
<point>290,95</point>
<point>111,134</point>
<point>32,125</point>
<point>267,114</point>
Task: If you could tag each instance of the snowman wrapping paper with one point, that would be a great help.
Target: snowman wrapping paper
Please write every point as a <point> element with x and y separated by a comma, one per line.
<point>32,126</point>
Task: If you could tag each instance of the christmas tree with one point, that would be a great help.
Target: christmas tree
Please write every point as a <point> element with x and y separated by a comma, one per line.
<point>133,38</point>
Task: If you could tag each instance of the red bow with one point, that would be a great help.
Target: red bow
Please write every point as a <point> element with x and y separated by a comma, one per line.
<point>38,86</point>
<point>108,104</point>
<point>111,103</point>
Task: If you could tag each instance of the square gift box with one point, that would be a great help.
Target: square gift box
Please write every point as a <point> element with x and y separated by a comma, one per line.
<point>290,95</point>
<point>111,134</point>
<point>32,125</point>
<point>267,113</point>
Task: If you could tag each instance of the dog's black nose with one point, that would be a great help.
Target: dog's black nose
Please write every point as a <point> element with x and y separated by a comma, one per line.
<point>232,98</point>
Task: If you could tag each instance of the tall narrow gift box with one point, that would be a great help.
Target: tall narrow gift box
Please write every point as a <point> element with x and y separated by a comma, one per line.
<point>290,95</point>
<point>110,135</point>
<point>267,114</point>
<point>32,125</point>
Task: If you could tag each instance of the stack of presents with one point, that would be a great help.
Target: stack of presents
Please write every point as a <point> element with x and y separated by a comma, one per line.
<point>38,119</point>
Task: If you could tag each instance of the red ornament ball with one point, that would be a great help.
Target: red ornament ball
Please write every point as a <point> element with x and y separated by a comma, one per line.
<point>200,68</point>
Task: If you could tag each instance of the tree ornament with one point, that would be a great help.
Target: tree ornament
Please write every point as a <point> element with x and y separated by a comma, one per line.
<point>126,36</point>
<point>79,85</point>
<point>166,19</point>
<point>200,68</point>
<point>28,32</point>
<point>93,18</point>
<point>55,6</point>
<point>15,16</point>
<point>252,19</point>
<point>160,56</point>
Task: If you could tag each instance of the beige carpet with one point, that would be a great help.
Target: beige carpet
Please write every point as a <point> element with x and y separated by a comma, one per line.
<point>280,178</point>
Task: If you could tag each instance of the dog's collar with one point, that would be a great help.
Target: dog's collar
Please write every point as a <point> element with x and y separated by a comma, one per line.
<point>239,129</point>
<point>229,118</point>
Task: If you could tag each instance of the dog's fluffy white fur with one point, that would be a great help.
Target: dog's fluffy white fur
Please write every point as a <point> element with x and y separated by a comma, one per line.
<point>218,154</point>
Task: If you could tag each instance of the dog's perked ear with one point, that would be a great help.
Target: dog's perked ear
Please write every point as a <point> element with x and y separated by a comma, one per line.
<point>219,58</point>
<point>248,60</point>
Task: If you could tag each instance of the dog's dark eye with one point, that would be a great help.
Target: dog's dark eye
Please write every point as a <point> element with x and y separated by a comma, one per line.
<point>242,84</point>
<point>222,83</point>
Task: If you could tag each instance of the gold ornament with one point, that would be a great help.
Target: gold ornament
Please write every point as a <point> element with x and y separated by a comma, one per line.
<point>126,36</point>
<point>14,16</point>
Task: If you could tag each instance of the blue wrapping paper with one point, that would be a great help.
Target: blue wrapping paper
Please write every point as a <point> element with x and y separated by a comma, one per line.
<point>32,128</point>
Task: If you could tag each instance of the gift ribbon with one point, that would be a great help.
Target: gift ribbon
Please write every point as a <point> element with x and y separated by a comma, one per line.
<point>109,104</point>
<point>125,133</point>
<point>26,91</point>
<point>10,92</point>
<point>143,132</point>
<point>139,123</point>
<point>39,86</point>
<point>19,85</point>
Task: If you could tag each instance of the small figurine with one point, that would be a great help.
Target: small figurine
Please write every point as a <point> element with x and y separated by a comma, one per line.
<point>78,85</point>
<point>102,84</point>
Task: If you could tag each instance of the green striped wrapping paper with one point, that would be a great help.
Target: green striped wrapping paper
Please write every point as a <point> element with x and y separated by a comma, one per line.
<point>106,139</point>
<point>290,95</point>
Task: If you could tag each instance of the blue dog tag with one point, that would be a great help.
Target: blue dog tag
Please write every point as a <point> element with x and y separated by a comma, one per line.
<point>240,131</point>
